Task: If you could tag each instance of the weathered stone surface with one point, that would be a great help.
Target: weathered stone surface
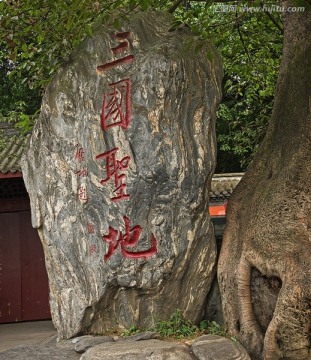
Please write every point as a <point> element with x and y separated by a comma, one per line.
<point>84,344</point>
<point>118,263</point>
<point>146,335</point>
<point>80,338</point>
<point>138,350</point>
<point>38,352</point>
<point>214,347</point>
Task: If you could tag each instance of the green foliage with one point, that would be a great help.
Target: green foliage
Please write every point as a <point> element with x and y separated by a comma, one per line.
<point>37,35</point>
<point>133,330</point>
<point>18,103</point>
<point>250,43</point>
<point>176,326</point>
<point>40,34</point>
<point>251,54</point>
<point>212,327</point>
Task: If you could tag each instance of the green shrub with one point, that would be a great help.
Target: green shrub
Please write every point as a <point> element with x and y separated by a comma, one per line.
<point>133,330</point>
<point>176,326</point>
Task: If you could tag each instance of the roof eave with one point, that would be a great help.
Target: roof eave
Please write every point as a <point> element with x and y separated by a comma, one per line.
<point>10,175</point>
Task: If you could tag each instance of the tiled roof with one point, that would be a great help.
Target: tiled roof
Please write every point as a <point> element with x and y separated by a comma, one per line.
<point>222,186</point>
<point>11,152</point>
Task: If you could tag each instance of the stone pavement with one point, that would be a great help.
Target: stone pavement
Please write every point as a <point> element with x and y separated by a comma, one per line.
<point>38,341</point>
<point>35,340</point>
<point>38,352</point>
<point>26,333</point>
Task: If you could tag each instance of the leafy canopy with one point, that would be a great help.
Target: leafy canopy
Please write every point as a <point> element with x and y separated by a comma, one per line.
<point>37,35</point>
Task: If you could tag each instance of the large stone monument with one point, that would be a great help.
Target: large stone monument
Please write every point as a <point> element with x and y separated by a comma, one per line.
<point>118,170</point>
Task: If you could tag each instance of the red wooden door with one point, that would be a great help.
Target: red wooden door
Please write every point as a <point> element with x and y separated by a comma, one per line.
<point>35,289</point>
<point>10,271</point>
<point>23,279</point>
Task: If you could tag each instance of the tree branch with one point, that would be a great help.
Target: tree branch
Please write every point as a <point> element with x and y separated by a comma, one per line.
<point>243,43</point>
<point>272,18</point>
<point>175,6</point>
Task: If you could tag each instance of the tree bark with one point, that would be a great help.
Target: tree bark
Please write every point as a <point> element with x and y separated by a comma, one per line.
<point>269,216</point>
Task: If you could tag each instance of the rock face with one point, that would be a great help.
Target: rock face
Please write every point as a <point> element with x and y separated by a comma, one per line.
<point>84,343</point>
<point>207,347</point>
<point>141,350</point>
<point>118,170</point>
<point>214,347</point>
<point>38,352</point>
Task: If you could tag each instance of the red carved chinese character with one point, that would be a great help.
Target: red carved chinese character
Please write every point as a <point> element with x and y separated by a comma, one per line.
<point>82,193</point>
<point>123,46</point>
<point>113,167</point>
<point>129,239</point>
<point>116,109</point>
<point>122,35</point>
<point>79,153</point>
<point>82,172</point>
<point>125,60</point>
<point>93,249</point>
<point>90,228</point>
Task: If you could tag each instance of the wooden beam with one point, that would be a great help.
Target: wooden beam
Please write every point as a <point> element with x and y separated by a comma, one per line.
<point>10,175</point>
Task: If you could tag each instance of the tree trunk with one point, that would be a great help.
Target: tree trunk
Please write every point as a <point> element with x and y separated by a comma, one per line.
<point>268,233</point>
